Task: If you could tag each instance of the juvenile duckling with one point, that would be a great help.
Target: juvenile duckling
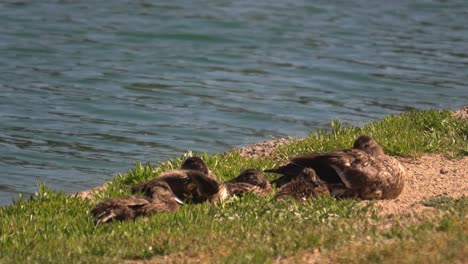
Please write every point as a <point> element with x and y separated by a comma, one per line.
<point>248,181</point>
<point>306,185</point>
<point>130,207</point>
<point>191,183</point>
<point>253,177</point>
<point>361,172</point>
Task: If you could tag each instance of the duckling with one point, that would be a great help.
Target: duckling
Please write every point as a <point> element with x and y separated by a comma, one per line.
<point>253,177</point>
<point>361,172</point>
<point>306,185</point>
<point>191,183</point>
<point>130,207</point>
<point>248,181</point>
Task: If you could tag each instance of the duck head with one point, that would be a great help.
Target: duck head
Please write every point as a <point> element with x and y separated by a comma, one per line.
<point>368,145</point>
<point>196,164</point>
<point>309,175</point>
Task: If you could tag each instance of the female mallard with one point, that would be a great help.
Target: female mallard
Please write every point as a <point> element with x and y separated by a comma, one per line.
<point>130,207</point>
<point>192,182</point>
<point>306,185</point>
<point>363,171</point>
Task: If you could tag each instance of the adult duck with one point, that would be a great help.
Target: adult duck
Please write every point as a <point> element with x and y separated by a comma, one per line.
<point>361,172</point>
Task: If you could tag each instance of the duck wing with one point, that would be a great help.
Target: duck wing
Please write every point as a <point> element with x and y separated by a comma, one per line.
<point>175,179</point>
<point>203,187</point>
<point>320,162</point>
<point>368,176</point>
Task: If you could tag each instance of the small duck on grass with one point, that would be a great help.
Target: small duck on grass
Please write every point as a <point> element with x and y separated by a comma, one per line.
<point>248,181</point>
<point>363,172</point>
<point>192,183</point>
<point>130,207</point>
<point>306,185</point>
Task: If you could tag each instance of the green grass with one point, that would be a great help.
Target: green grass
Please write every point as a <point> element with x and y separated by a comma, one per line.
<point>408,134</point>
<point>53,227</point>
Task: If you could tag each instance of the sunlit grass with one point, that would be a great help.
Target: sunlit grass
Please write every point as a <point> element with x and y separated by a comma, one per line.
<point>54,227</point>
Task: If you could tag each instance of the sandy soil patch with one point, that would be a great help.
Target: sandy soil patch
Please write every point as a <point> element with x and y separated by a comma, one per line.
<point>428,177</point>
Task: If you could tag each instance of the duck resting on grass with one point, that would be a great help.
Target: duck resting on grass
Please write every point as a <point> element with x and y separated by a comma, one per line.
<point>306,185</point>
<point>130,207</point>
<point>248,181</point>
<point>363,172</point>
<point>192,183</point>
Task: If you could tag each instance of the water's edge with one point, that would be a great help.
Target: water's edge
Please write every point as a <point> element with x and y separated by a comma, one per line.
<point>260,149</point>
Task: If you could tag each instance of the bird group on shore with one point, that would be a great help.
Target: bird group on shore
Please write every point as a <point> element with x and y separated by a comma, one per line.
<point>363,171</point>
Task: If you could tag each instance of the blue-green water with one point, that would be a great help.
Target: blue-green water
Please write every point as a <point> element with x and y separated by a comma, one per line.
<point>88,88</point>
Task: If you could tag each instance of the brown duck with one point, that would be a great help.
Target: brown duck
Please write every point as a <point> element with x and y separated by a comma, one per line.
<point>130,207</point>
<point>361,172</point>
<point>306,185</point>
<point>248,181</point>
<point>192,183</point>
<point>163,193</point>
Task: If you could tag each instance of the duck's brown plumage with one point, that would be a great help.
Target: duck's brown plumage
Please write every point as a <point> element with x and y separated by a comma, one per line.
<point>192,183</point>
<point>364,171</point>
<point>248,181</point>
<point>196,164</point>
<point>253,177</point>
<point>130,207</point>
<point>306,185</point>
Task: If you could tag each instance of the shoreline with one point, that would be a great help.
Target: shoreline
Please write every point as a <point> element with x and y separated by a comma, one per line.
<point>441,168</point>
<point>428,216</point>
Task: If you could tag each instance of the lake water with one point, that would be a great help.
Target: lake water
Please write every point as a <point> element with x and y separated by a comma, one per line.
<point>88,88</point>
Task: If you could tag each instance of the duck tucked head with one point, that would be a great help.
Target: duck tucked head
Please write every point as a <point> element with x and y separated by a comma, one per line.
<point>253,177</point>
<point>195,163</point>
<point>368,145</point>
<point>202,187</point>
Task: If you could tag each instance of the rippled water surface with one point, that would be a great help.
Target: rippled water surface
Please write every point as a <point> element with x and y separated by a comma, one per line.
<point>88,88</point>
